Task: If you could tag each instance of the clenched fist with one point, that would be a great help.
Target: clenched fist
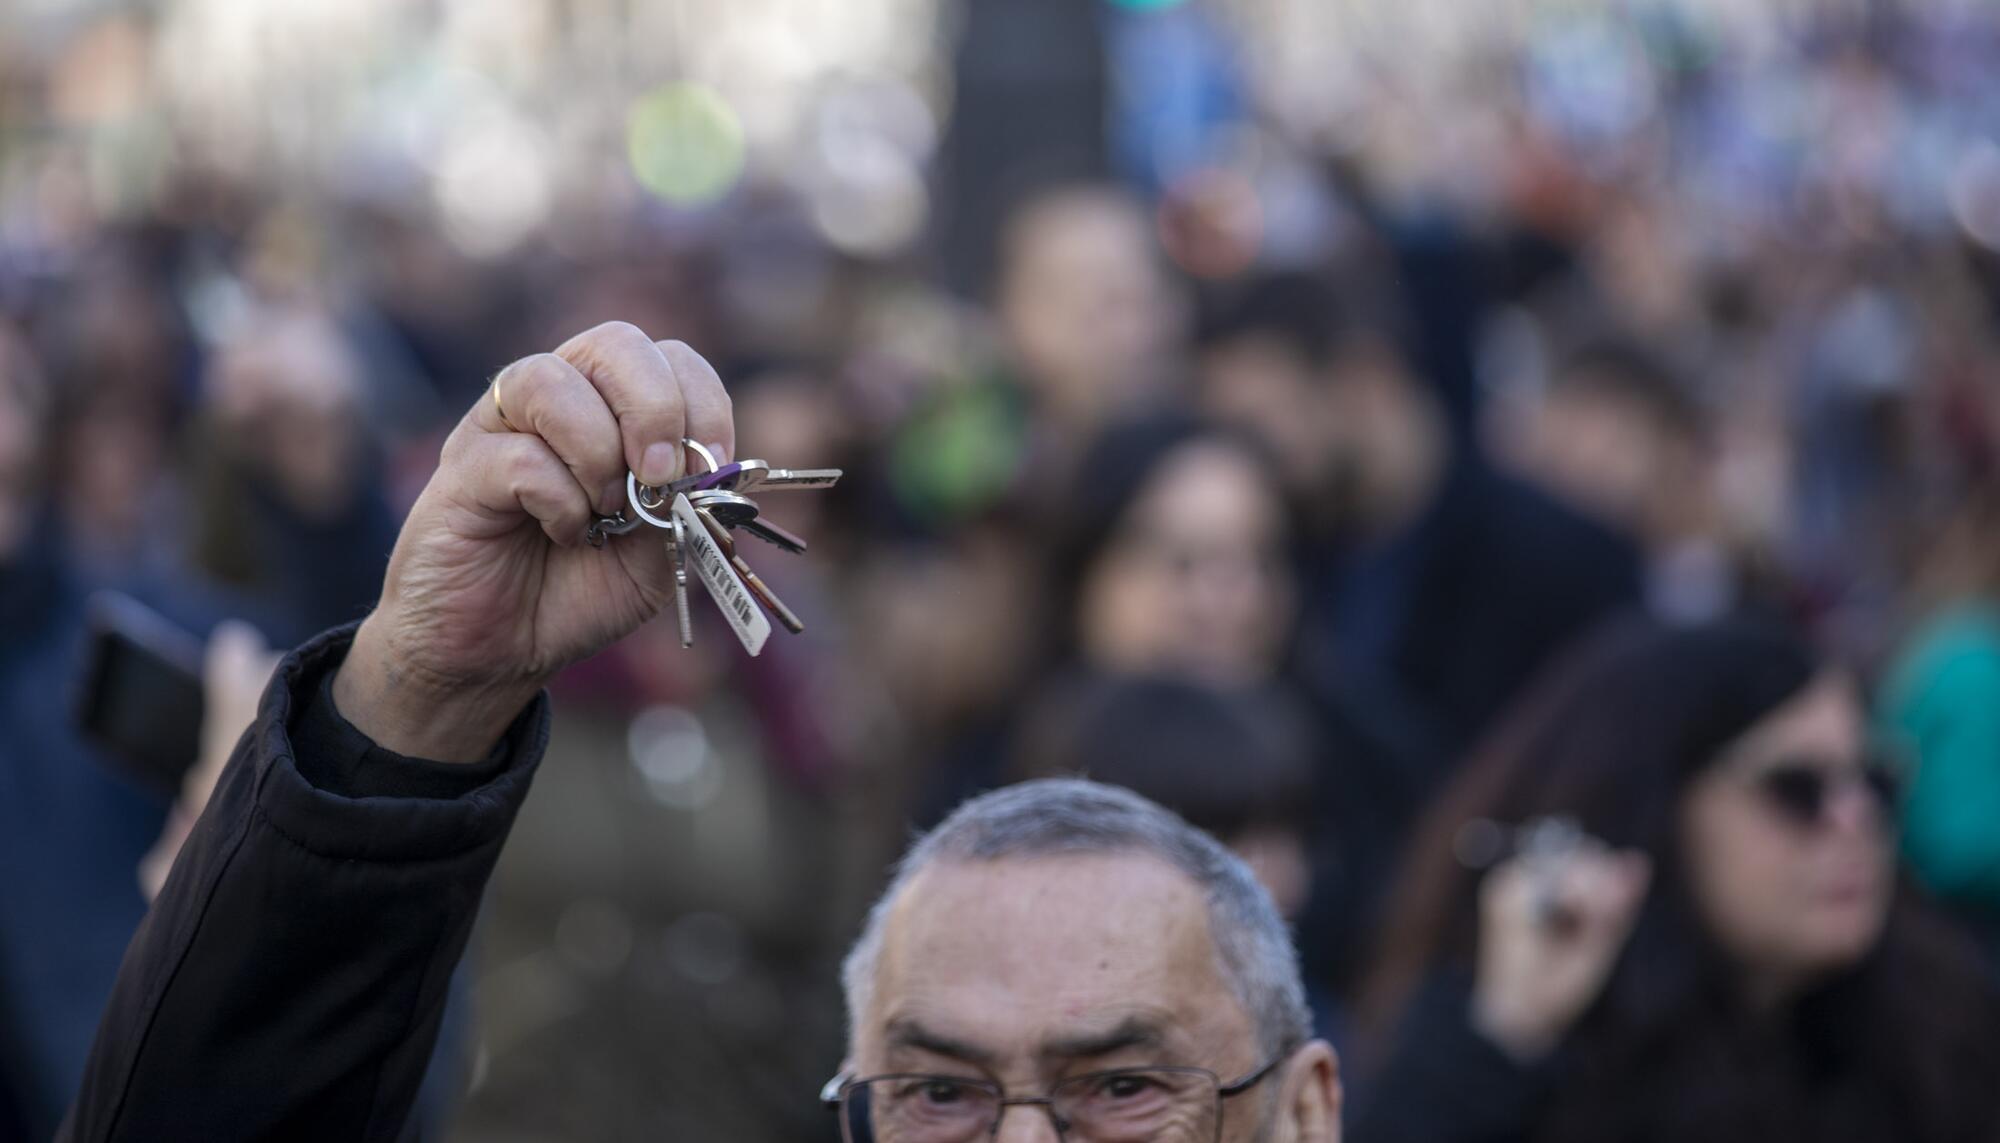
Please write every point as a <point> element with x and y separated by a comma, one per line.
<point>492,587</point>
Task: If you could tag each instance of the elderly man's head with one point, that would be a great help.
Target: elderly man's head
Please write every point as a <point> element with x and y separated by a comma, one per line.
<point>1073,940</point>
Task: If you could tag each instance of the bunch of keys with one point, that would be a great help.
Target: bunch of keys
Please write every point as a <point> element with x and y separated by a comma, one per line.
<point>699,513</point>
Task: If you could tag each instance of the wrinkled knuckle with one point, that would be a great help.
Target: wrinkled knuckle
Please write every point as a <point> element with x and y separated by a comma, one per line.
<point>618,333</point>
<point>522,466</point>
<point>665,400</point>
<point>544,370</point>
<point>601,450</point>
<point>524,380</point>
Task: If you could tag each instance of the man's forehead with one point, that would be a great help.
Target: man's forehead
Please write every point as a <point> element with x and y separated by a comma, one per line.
<point>1029,951</point>
<point>1087,894</point>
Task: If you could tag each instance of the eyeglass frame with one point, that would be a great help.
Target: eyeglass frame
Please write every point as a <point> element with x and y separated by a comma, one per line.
<point>833,1093</point>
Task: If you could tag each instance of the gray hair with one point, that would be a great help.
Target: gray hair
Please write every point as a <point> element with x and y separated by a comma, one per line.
<point>1070,815</point>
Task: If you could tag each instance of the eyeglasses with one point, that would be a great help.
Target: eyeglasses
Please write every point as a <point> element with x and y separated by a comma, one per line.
<point>1128,1105</point>
<point>1800,790</point>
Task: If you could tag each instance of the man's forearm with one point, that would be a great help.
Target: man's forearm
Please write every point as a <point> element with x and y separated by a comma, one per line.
<point>441,719</point>
<point>290,978</point>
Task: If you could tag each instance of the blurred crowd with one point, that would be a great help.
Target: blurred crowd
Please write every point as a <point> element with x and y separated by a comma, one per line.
<point>1598,429</point>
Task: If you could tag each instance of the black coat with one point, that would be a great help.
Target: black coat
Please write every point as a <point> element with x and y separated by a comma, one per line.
<point>1923,1074</point>
<point>1444,1082</point>
<point>289,981</point>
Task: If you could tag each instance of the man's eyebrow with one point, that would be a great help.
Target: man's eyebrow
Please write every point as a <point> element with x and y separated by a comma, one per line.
<point>1133,1032</point>
<point>907,1033</point>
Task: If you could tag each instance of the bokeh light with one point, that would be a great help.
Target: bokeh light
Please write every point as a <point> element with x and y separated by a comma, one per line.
<point>869,199</point>
<point>493,187</point>
<point>685,144</point>
<point>1975,194</point>
<point>863,174</point>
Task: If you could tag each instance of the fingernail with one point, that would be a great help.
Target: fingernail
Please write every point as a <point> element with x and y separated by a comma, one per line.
<point>721,453</point>
<point>661,464</point>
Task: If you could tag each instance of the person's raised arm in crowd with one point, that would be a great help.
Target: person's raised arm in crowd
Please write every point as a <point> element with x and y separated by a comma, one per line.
<point>289,980</point>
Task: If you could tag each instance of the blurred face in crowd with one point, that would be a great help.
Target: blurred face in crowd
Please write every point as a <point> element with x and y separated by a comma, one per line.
<point>1260,383</point>
<point>288,397</point>
<point>1351,436</point>
<point>1595,452</point>
<point>1194,580</point>
<point>1788,844</point>
<point>20,427</point>
<point>1613,459</point>
<point>119,348</point>
<point>949,629</point>
<point>1086,308</point>
<point>1027,971</point>
<point>112,449</point>
<point>1378,421</point>
<point>1640,265</point>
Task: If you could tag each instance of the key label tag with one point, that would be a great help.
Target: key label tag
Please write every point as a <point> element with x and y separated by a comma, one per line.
<point>725,587</point>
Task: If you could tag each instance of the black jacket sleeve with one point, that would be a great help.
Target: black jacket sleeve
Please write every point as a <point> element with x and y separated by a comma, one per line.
<point>289,981</point>
<point>1444,1082</point>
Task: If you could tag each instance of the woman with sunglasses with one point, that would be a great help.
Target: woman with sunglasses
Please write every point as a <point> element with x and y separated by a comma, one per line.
<point>1662,904</point>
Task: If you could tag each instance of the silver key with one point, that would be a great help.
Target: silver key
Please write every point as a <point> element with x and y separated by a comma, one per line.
<point>676,538</point>
<point>775,536</point>
<point>731,509</point>
<point>770,479</point>
<point>732,597</point>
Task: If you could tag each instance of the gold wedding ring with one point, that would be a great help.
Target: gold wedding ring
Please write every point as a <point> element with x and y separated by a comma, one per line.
<point>494,388</point>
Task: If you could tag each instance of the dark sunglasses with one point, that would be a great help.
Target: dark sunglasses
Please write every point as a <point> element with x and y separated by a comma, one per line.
<point>1800,791</point>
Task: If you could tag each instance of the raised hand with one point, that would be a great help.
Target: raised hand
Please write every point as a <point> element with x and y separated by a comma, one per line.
<point>492,587</point>
<point>1550,930</point>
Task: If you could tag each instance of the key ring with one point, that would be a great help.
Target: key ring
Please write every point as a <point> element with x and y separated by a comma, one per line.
<point>642,497</point>
<point>646,499</point>
<point>707,457</point>
<point>637,493</point>
<point>604,526</point>
<point>647,496</point>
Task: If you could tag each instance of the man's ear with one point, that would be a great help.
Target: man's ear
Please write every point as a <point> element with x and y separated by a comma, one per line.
<point>1309,1104</point>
